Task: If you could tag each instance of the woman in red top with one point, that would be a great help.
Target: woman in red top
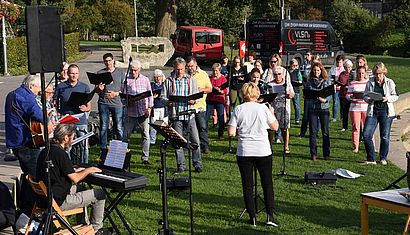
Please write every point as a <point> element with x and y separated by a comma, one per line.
<point>216,99</point>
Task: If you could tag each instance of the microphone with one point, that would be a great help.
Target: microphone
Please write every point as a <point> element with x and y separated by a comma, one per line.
<point>130,59</point>
<point>187,112</point>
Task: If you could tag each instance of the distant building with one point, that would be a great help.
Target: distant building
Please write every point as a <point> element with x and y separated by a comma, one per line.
<point>379,7</point>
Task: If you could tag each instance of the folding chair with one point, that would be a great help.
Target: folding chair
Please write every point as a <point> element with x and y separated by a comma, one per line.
<point>41,189</point>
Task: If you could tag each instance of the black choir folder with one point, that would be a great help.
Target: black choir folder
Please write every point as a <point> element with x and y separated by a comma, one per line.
<point>268,97</point>
<point>79,98</point>
<point>325,92</point>
<point>97,78</point>
<point>184,99</point>
<point>137,97</point>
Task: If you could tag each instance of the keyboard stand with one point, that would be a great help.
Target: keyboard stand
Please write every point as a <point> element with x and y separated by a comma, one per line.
<point>113,206</point>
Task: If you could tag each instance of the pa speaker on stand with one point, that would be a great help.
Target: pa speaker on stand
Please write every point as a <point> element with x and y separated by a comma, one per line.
<point>45,39</point>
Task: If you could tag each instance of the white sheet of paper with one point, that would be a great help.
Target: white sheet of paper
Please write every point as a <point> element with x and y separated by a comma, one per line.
<point>116,154</point>
<point>79,115</point>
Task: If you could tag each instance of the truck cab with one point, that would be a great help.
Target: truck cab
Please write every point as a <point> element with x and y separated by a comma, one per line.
<point>203,43</point>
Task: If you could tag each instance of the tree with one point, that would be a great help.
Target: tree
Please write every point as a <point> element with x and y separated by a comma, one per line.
<point>166,20</point>
<point>117,18</point>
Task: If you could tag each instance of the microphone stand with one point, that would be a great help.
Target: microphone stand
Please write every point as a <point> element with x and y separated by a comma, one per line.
<point>285,132</point>
<point>125,84</point>
<point>48,215</point>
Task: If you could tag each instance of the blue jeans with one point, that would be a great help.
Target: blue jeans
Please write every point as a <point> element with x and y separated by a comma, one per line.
<point>182,128</point>
<point>220,113</point>
<point>143,125</point>
<point>385,122</point>
<point>296,106</point>
<point>307,106</point>
<point>104,112</point>
<point>202,127</point>
<point>335,108</point>
<point>323,115</point>
<point>83,146</point>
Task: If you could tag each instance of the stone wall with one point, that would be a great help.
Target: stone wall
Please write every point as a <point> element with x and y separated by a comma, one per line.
<point>147,59</point>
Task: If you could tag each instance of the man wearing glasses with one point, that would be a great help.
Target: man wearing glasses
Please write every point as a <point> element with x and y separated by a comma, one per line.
<point>109,102</point>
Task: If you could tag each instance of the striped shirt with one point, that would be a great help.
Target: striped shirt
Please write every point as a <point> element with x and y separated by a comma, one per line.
<point>356,105</point>
<point>137,86</point>
<point>179,87</point>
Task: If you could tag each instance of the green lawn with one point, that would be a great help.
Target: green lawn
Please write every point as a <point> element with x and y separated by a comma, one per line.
<point>398,70</point>
<point>302,209</point>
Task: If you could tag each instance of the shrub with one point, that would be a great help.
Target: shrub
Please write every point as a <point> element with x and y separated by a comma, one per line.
<point>17,53</point>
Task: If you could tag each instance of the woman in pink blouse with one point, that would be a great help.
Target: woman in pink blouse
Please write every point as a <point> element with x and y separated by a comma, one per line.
<point>358,106</point>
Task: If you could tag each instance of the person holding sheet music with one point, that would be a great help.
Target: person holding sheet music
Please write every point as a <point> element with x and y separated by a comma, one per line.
<point>63,92</point>
<point>64,178</point>
<point>204,85</point>
<point>217,98</point>
<point>358,106</point>
<point>138,112</point>
<point>236,81</point>
<point>281,104</point>
<point>181,84</point>
<point>296,80</point>
<point>380,94</point>
<point>160,107</point>
<point>318,80</point>
<point>343,80</point>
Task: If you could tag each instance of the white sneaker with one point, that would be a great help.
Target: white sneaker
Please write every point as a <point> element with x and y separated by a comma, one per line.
<point>343,129</point>
<point>278,141</point>
<point>370,163</point>
<point>383,162</point>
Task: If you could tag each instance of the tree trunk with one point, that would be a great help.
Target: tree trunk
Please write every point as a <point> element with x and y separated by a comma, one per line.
<point>166,18</point>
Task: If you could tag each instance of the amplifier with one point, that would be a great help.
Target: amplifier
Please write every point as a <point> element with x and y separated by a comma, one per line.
<point>178,183</point>
<point>317,178</point>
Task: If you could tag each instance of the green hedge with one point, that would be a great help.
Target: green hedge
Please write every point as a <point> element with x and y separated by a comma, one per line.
<point>17,53</point>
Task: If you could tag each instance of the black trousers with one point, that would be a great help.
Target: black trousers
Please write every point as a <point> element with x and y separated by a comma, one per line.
<point>264,167</point>
<point>344,110</point>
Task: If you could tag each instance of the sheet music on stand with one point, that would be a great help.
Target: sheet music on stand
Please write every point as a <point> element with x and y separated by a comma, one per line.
<point>116,154</point>
<point>169,133</point>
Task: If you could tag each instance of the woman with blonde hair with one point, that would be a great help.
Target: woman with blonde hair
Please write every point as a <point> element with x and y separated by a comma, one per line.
<point>380,94</point>
<point>250,122</point>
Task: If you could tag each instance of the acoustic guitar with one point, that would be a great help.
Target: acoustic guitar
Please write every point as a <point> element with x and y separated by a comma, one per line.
<point>37,133</point>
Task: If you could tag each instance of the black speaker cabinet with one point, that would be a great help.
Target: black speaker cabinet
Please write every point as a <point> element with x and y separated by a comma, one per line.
<point>45,39</point>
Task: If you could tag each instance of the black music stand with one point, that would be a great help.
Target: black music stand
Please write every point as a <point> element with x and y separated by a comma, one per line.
<point>176,140</point>
<point>256,196</point>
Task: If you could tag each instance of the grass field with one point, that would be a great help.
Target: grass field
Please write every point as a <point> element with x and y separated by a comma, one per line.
<point>301,208</point>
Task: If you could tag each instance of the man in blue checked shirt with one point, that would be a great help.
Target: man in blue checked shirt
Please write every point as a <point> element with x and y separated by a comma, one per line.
<point>181,84</point>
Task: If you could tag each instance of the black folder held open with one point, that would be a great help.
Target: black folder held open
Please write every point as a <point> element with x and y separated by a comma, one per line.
<point>137,97</point>
<point>97,78</point>
<point>185,99</point>
<point>325,92</point>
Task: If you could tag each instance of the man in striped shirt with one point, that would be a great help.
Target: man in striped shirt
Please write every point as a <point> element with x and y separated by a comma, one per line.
<point>138,112</point>
<point>181,84</point>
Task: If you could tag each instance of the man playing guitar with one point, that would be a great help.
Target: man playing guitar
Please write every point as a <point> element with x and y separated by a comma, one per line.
<point>21,107</point>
